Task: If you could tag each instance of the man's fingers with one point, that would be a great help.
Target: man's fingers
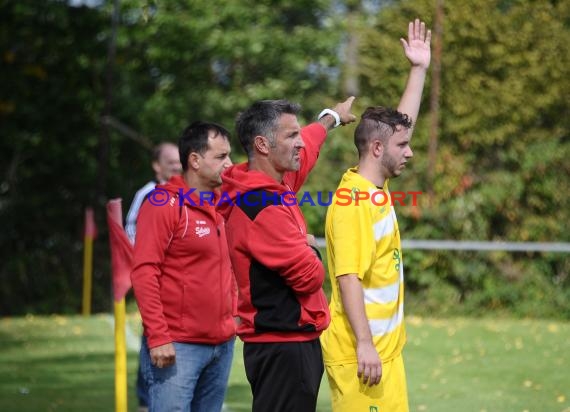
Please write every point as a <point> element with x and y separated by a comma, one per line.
<point>370,374</point>
<point>169,360</point>
<point>311,241</point>
<point>343,109</point>
<point>366,374</point>
<point>163,361</point>
<point>417,28</point>
<point>377,377</point>
<point>350,118</point>
<point>379,374</point>
<point>372,379</point>
<point>345,106</point>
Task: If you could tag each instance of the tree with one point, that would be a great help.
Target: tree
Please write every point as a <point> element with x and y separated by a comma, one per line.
<point>49,112</point>
<point>502,172</point>
<point>176,61</point>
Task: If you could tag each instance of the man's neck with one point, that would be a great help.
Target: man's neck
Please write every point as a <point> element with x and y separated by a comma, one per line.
<point>261,165</point>
<point>193,182</point>
<point>370,171</point>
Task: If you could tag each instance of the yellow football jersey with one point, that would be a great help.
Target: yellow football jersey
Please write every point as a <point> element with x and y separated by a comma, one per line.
<point>362,237</point>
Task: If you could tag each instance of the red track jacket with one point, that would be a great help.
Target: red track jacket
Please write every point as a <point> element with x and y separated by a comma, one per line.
<point>279,276</point>
<point>182,276</point>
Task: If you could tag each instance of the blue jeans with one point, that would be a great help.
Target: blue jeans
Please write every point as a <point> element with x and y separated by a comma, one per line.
<point>142,384</point>
<point>196,382</point>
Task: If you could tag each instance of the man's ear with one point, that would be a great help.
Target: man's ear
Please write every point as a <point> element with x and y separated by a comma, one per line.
<point>156,167</point>
<point>194,161</point>
<point>261,144</point>
<point>376,148</point>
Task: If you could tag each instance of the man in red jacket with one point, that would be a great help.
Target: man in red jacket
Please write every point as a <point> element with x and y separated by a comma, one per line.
<point>183,280</point>
<point>282,307</point>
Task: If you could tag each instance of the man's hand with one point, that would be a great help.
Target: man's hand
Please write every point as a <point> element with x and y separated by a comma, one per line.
<point>311,241</point>
<point>417,48</point>
<point>163,356</point>
<point>343,110</point>
<point>369,364</point>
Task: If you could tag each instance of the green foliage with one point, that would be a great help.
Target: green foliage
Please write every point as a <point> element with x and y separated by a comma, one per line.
<point>501,174</point>
<point>209,62</point>
<point>49,111</point>
<point>502,171</point>
<point>176,62</point>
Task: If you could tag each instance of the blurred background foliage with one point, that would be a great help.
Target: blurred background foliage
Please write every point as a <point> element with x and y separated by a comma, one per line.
<point>89,86</point>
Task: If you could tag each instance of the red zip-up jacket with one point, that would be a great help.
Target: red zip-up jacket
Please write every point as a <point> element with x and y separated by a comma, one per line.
<point>279,275</point>
<point>182,275</point>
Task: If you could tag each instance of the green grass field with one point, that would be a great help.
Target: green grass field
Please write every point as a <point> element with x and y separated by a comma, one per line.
<point>57,363</point>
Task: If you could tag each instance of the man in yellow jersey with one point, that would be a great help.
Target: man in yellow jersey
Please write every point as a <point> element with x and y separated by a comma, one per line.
<point>363,344</point>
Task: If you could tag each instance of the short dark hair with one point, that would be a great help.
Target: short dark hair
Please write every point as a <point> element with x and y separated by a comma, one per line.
<point>380,122</point>
<point>261,119</point>
<point>194,139</point>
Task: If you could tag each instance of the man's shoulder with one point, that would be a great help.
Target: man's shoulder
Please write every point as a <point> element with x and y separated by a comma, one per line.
<point>138,200</point>
<point>254,201</point>
<point>146,189</point>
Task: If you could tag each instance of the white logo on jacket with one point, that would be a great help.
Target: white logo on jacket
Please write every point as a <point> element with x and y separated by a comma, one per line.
<point>202,231</point>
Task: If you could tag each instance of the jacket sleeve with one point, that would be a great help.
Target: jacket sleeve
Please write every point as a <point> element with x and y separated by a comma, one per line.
<point>131,219</point>
<point>155,228</point>
<point>283,248</point>
<point>314,135</point>
<point>234,295</point>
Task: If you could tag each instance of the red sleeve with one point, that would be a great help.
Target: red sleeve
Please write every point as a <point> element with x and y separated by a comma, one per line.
<point>314,136</point>
<point>234,295</point>
<point>285,250</point>
<point>155,226</point>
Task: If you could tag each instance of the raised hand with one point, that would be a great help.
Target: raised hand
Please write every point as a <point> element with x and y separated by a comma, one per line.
<point>343,110</point>
<point>417,47</point>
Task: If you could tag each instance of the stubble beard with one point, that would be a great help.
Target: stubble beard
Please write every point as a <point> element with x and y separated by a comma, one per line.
<point>391,166</point>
